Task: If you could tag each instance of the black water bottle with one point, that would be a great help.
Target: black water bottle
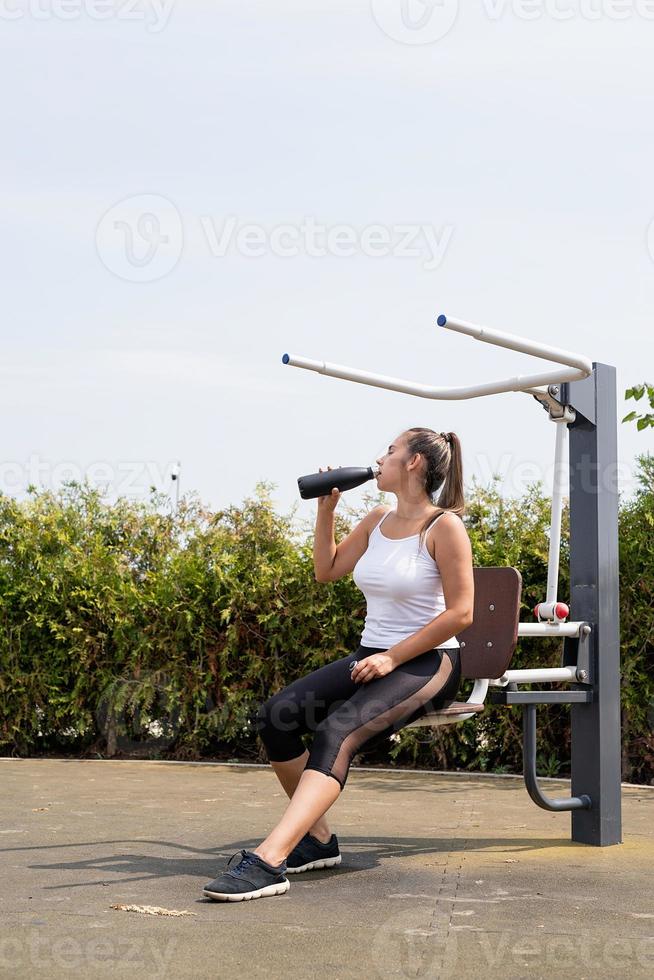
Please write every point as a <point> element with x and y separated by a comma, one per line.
<point>345,478</point>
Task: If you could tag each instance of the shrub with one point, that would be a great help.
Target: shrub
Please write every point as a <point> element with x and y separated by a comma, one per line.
<point>127,629</point>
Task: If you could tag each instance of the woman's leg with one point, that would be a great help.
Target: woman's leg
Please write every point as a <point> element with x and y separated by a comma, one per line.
<point>289,774</point>
<point>375,709</point>
<point>382,706</point>
<point>292,712</point>
<point>314,795</point>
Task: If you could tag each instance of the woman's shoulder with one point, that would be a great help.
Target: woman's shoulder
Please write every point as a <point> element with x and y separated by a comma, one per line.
<point>446,520</point>
<point>449,515</point>
<point>448,525</point>
<point>376,515</point>
<point>378,511</point>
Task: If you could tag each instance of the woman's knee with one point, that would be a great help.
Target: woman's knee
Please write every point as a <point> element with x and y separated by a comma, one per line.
<point>276,724</point>
<point>277,715</point>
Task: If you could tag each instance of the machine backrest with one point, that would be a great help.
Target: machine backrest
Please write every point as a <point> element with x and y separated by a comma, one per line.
<point>488,644</point>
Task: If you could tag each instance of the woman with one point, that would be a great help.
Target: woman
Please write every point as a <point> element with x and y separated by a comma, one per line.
<point>417,578</point>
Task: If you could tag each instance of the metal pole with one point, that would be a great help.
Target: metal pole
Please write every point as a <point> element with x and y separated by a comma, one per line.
<point>174,476</point>
<point>595,598</point>
<point>558,490</point>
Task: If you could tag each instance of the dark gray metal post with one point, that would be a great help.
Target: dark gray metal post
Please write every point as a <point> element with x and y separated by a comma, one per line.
<point>594,597</point>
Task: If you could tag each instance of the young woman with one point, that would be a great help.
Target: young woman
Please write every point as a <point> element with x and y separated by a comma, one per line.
<point>416,575</point>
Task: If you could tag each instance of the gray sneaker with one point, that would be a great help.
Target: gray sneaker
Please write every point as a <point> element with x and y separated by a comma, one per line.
<point>252,877</point>
<point>309,854</point>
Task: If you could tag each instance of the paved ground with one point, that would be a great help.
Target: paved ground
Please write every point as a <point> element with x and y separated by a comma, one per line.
<point>442,876</point>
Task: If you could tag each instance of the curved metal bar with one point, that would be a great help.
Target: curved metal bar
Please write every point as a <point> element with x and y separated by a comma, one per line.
<point>524,345</point>
<point>529,770</point>
<point>576,367</point>
<point>518,383</point>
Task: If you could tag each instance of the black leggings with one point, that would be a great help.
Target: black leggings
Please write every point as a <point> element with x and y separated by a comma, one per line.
<point>347,715</point>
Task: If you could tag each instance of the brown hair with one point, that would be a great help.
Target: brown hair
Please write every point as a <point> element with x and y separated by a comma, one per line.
<point>443,465</point>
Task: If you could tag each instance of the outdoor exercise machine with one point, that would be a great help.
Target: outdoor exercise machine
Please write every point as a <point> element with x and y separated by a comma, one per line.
<point>580,398</point>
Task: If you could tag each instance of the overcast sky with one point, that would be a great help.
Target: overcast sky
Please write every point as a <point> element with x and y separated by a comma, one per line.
<point>191,189</point>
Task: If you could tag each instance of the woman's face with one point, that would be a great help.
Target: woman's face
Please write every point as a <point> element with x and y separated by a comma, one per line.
<point>393,465</point>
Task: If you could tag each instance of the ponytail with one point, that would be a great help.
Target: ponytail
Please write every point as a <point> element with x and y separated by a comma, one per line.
<point>451,496</point>
<point>443,468</point>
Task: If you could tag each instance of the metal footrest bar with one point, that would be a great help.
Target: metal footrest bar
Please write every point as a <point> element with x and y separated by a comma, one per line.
<point>571,628</point>
<point>576,696</point>
<point>536,675</point>
<point>529,769</point>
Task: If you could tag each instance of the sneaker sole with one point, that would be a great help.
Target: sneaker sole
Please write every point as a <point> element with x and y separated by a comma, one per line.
<point>279,889</point>
<point>314,865</point>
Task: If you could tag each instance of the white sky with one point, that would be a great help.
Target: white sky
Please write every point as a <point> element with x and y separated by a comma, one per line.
<point>524,146</point>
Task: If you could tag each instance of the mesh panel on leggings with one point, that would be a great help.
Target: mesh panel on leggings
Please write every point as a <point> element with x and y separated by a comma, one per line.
<point>353,742</point>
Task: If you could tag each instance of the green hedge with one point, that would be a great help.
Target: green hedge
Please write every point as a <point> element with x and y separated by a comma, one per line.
<point>129,630</point>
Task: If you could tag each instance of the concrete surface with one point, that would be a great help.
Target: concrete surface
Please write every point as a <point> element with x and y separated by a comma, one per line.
<point>441,876</point>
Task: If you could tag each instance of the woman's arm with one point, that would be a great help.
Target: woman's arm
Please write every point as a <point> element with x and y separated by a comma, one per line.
<point>324,546</point>
<point>345,555</point>
<point>453,555</point>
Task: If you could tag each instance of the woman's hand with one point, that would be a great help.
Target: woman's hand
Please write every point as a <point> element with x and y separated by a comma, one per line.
<point>376,665</point>
<point>328,501</point>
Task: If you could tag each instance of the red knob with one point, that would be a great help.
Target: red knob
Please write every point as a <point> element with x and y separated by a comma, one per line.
<point>561,611</point>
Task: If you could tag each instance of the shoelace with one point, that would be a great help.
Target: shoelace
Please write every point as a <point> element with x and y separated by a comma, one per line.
<point>246,861</point>
<point>243,864</point>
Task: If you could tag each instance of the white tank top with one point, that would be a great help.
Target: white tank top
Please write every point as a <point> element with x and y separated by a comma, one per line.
<point>402,586</point>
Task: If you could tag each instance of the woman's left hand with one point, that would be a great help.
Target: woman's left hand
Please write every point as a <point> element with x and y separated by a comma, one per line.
<point>376,665</point>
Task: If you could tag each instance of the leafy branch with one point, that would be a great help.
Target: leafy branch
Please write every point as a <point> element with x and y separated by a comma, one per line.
<point>637,392</point>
